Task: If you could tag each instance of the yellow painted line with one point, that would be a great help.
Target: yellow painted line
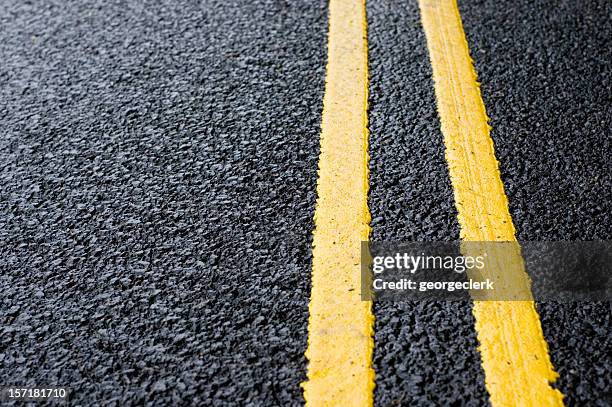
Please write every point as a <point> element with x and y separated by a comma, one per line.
<point>517,367</point>
<point>340,325</point>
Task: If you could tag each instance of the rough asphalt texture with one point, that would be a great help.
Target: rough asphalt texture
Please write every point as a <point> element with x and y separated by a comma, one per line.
<point>425,352</point>
<point>546,80</point>
<point>158,170</point>
<point>157,186</point>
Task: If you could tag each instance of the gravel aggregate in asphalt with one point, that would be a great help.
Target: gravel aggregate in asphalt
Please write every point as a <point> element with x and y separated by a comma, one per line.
<point>158,176</point>
<point>545,76</point>
<point>425,352</point>
<point>157,182</point>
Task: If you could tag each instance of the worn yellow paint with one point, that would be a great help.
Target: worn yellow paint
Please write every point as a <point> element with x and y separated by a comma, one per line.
<point>517,367</point>
<point>340,325</point>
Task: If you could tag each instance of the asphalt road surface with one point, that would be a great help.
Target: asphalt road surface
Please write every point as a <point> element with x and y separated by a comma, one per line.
<point>158,173</point>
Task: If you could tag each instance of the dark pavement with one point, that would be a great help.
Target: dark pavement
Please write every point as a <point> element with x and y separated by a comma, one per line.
<point>425,352</point>
<point>158,169</point>
<point>157,186</point>
<point>546,80</point>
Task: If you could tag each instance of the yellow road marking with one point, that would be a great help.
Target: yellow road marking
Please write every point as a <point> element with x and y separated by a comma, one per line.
<point>340,325</point>
<point>518,371</point>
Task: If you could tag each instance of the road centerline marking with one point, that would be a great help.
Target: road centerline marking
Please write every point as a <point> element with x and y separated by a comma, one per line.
<point>515,358</point>
<point>340,326</point>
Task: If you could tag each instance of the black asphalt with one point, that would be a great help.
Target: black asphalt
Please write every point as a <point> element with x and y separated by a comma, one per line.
<point>158,170</point>
<point>425,352</point>
<point>157,186</point>
<point>546,80</point>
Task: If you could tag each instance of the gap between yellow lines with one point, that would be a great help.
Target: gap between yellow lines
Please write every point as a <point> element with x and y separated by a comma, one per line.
<point>340,325</point>
<point>515,359</point>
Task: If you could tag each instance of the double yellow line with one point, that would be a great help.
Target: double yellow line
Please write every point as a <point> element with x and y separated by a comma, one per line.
<point>515,359</point>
